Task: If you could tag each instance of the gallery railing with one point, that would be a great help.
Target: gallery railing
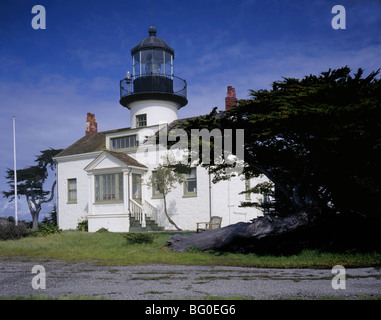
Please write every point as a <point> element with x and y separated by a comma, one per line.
<point>153,84</point>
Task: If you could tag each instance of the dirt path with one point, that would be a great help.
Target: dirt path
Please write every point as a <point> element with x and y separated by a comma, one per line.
<point>64,278</point>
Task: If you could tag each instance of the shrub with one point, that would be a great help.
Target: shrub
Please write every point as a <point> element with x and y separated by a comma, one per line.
<point>46,229</point>
<point>102,230</point>
<point>83,224</point>
<point>9,230</point>
<point>139,238</point>
<point>52,217</point>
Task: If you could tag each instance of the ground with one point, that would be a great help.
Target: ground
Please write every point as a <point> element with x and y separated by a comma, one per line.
<point>157,282</point>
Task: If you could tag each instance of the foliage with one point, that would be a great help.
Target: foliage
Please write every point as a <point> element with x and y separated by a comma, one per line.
<point>9,230</point>
<point>139,238</point>
<point>318,140</point>
<point>30,183</point>
<point>52,217</point>
<point>167,176</point>
<point>45,229</point>
<point>83,224</point>
<point>102,230</point>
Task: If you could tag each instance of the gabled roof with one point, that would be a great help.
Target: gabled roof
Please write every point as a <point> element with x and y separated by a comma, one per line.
<point>129,161</point>
<point>93,143</point>
<point>117,160</point>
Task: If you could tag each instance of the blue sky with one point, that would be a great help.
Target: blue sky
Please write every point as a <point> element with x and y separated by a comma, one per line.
<point>50,79</point>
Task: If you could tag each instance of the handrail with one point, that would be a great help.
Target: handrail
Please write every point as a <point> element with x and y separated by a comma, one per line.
<point>137,212</point>
<point>141,212</point>
<point>151,211</point>
<point>177,86</point>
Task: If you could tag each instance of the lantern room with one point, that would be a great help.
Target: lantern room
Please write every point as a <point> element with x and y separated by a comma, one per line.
<point>152,56</point>
<point>152,74</point>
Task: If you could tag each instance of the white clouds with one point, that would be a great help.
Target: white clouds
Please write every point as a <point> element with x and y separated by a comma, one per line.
<point>256,65</point>
<point>7,208</point>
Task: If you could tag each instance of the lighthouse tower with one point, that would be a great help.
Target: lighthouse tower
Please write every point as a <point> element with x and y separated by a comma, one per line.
<point>152,93</point>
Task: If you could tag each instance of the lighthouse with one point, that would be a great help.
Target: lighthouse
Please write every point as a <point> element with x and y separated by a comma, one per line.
<point>152,93</point>
<point>103,175</point>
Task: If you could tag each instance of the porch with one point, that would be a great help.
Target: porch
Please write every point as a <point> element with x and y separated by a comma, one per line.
<point>143,217</point>
<point>137,218</point>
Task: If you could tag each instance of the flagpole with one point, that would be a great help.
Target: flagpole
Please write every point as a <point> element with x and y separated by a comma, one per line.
<point>14,166</point>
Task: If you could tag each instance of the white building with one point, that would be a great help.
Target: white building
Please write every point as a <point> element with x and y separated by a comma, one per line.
<point>103,176</point>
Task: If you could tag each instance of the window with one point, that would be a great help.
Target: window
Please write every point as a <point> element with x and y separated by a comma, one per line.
<point>247,188</point>
<point>109,187</point>
<point>72,190</point>
<point>156,193</point>
<point>124,142</point>
<point>141,120</point>
<point>190,185</point>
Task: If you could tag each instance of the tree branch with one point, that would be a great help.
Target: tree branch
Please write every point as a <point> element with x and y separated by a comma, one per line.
<point>51,193</point>
<point>272,178</point>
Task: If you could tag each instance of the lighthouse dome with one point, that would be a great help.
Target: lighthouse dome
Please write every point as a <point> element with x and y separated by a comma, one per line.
<point>152,42</point>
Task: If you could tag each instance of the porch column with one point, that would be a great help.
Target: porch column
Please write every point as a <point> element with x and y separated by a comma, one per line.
<point>126,188</point>
<point>91,195</point>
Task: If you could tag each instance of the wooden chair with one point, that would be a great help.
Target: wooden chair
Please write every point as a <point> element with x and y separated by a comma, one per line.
<point>214,223</point>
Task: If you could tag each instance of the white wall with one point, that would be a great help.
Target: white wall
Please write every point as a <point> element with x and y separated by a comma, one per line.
<point>157,111</point>
<point>225,197</point>
<point>185,211</point>
<point>71,167</point>
<point>113,217</point>
<point>118,222</point>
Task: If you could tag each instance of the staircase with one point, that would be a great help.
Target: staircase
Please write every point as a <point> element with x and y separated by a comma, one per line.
<point>143,218</point>
<point>151,225</point>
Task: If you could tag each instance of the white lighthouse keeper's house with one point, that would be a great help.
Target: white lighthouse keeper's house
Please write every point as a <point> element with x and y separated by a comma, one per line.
<point>103,178</point>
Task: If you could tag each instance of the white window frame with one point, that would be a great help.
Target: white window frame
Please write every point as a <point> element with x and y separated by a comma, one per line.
<point>72,192</point>
<point>156,194</point>
<point>141,122</point>
<point>247,187</point>
<point>119,141</point>
<point>188,178</point>
<point>113,183</point>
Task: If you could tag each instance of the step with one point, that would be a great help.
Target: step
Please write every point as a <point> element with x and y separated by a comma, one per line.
<point>151,225</point>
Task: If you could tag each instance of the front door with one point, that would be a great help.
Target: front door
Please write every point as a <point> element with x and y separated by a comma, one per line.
<point>137,188</point>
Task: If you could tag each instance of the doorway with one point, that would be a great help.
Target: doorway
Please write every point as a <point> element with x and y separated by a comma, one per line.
<point>137,188</point>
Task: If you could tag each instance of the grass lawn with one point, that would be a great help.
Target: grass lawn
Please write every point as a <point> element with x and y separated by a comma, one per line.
<point>111,249</point>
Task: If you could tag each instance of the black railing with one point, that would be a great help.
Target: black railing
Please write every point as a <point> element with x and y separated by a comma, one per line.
<point>153,84</point>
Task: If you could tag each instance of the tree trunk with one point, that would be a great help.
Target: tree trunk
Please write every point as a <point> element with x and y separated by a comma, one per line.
<point>33,209</point>
<point>167,215</point>
<point>240,236</point>
<point>35,220</point>
<point>36,207</point>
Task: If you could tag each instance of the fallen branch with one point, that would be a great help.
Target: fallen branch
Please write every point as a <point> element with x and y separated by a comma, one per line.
<point>239,234</point>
